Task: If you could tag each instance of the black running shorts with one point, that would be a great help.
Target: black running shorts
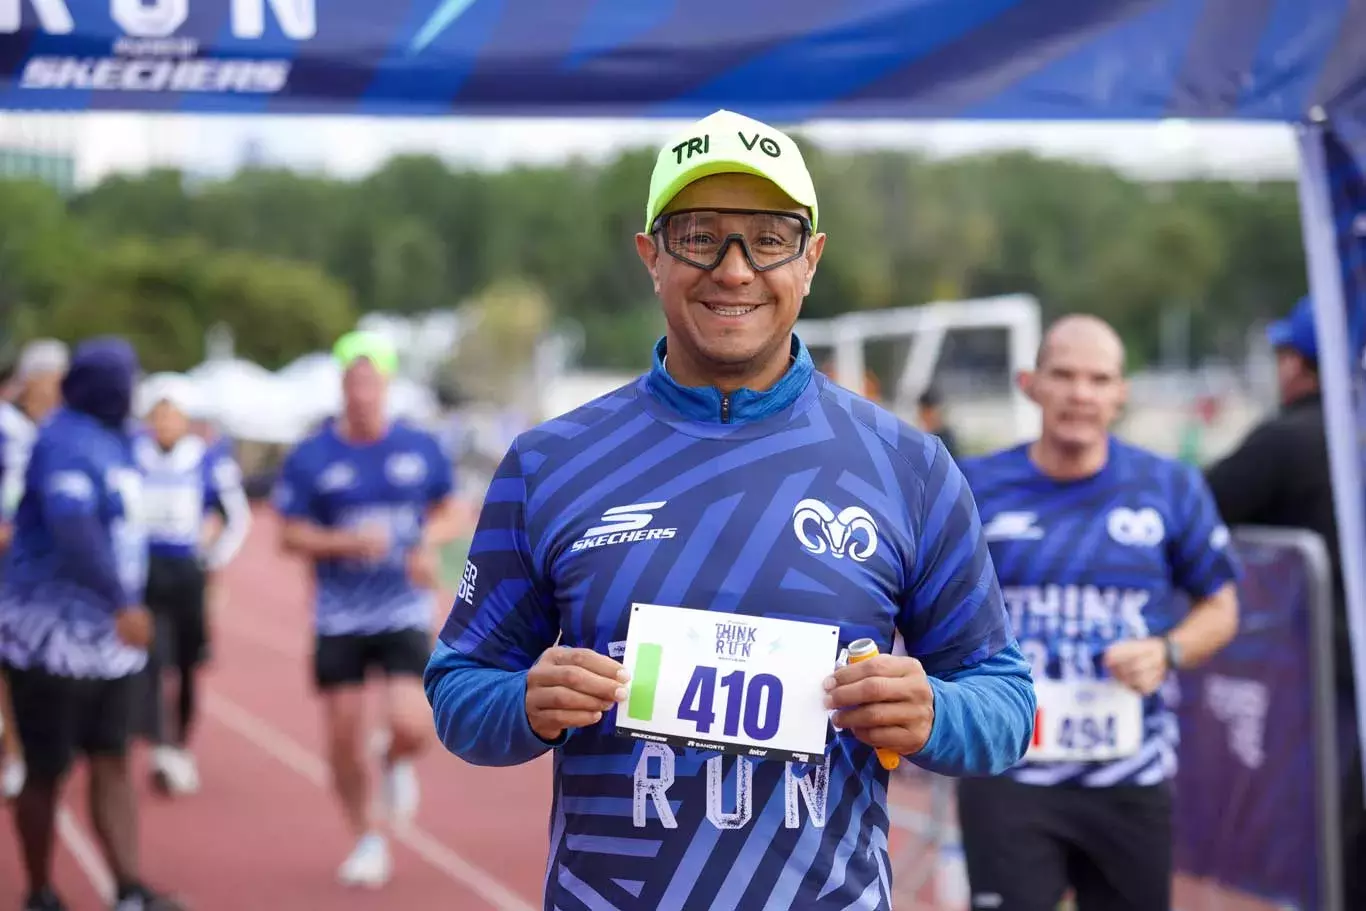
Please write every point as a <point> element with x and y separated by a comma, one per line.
<point>345,660</point>
<point>60,717</point>
<point>1026,844</point>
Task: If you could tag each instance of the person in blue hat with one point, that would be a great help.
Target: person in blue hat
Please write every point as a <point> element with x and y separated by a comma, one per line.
<point>1279,476</point>
<point>73,628</point>
<point>1297,354</point>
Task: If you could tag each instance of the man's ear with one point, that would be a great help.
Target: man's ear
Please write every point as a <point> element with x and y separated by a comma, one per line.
<point>648,251</point>
<point>814,248</point>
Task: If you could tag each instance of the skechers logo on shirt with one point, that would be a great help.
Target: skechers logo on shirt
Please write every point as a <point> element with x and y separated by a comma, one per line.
<point>625,525</point>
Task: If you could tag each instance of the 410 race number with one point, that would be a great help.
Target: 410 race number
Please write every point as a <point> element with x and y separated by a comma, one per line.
<point>762,701</point>
<point>736,684</point>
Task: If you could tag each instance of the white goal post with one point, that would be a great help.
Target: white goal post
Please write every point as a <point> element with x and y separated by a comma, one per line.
<point>926,326</point>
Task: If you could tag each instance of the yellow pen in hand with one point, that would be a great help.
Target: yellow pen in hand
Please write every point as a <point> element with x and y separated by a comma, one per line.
<point>862,650</point>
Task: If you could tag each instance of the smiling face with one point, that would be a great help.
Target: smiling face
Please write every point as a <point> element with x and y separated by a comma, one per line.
<point>731,326</point>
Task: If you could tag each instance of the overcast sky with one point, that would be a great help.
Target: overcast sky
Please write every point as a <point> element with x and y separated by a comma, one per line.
<point>354,146</point>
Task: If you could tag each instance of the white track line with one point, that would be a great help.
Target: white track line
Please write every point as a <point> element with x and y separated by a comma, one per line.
<point>284,642</point>
<point>86,853</point>
<point>298,758</point>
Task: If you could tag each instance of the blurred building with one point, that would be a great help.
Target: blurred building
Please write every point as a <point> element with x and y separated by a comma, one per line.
<point>78,150</point>
<point>40,147</point>
<point>50,167</point>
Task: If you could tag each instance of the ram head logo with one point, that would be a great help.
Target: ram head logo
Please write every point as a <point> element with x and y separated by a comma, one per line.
<point>852,533</point>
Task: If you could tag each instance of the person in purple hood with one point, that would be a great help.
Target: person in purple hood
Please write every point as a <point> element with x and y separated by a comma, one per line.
<point>73,630</point>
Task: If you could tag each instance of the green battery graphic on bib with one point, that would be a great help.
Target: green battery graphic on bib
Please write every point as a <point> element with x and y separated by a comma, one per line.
<point>644,679</point>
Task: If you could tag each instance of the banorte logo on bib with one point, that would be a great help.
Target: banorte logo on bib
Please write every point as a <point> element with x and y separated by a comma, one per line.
<point>850,533</point>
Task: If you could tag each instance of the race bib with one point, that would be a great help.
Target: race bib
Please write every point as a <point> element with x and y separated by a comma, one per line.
<point>398,524</point>
<point>172,511</point>
<point>750,686</point>
<point>1085,721</point>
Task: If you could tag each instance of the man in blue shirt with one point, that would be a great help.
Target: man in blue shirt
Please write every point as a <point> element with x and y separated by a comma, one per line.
<point>1093,541</point>
<point>72,629</point>
<point>368,502</point>
<point>731,478</point>
<point>185,479</point>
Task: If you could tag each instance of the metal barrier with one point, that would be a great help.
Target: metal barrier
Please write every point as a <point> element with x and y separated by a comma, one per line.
<point>1257,806</point>
<point>1257,790</point>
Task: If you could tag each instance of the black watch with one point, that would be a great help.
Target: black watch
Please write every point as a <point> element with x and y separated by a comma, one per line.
<point>1173,653</point>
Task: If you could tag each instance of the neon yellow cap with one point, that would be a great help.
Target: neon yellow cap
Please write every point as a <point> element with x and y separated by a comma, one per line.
<point>729,143</point>
<point>372,346</point>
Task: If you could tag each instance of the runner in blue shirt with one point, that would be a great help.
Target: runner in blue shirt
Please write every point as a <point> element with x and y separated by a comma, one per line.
<point>731,478</point>
<point>1093,540</point>
<point>368,502</point>
<point>73,630</point>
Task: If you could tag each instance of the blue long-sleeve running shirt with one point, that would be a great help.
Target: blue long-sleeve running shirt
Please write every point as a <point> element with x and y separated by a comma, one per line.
<point>714,484</point>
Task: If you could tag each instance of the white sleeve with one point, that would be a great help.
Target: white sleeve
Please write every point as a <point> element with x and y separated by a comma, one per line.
<point>227,479</point>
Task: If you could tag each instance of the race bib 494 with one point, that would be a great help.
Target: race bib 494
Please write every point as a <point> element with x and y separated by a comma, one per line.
<point>751,686</point>
<point>1085,721</point>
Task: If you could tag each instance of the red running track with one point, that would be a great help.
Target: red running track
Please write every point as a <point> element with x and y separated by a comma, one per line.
<point>264,832</point>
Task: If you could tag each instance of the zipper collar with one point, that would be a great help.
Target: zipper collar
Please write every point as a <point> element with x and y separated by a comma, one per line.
<point>707,404</point>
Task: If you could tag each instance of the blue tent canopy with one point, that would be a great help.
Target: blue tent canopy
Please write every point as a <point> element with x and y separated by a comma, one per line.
<point>787,61</point>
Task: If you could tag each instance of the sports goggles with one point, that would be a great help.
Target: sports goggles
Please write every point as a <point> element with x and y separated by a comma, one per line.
<point>701,237</point>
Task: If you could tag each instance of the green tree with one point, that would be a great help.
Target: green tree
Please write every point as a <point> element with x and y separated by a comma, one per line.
<point>154,204</point>
<point>419,234</point>
<point>495,357</point>
<point>277,309</point>
<point>143,291</point>
<point>1166,260</point>
<point>164,296</point>
<point>409,268</point>
<point>39,249</point>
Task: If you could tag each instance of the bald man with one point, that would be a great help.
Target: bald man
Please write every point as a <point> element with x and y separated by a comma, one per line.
<point>1092,538</point>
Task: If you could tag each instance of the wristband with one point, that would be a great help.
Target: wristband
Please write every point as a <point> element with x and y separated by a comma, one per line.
<point>1173,653</point>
